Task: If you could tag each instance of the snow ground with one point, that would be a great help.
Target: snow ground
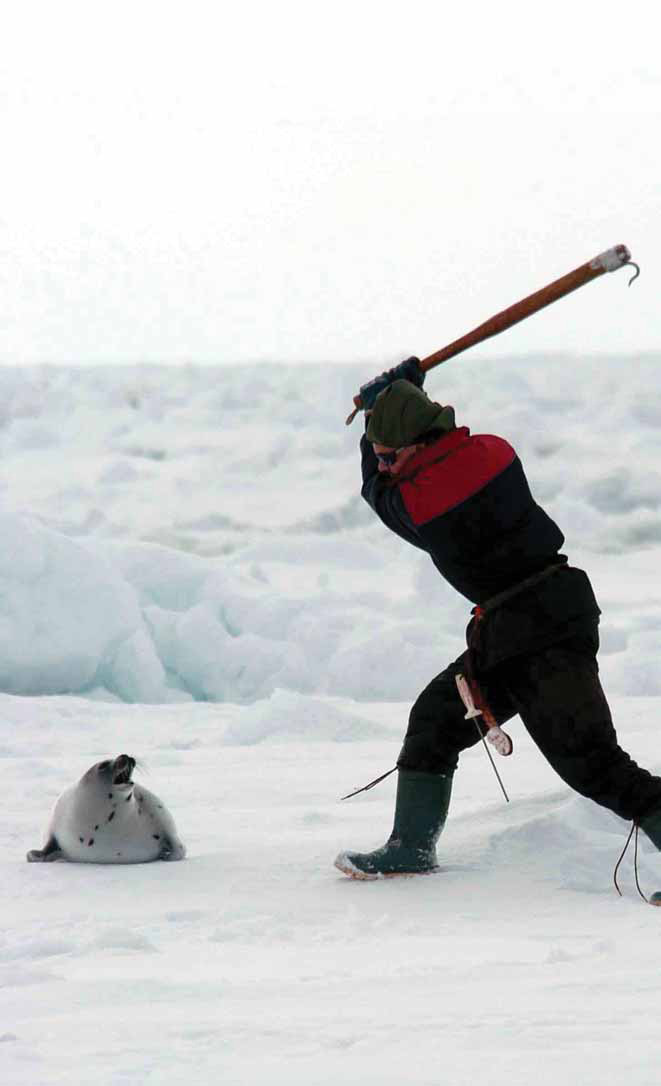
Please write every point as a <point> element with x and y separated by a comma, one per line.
<point>188,577</point>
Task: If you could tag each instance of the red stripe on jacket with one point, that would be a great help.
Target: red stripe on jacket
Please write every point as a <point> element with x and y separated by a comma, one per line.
<point>453,469</point>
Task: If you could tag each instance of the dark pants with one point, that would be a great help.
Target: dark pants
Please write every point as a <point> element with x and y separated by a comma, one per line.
<point>557,693</point>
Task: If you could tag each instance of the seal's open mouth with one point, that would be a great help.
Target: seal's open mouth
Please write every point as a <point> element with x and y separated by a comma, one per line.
<point>123,769</point>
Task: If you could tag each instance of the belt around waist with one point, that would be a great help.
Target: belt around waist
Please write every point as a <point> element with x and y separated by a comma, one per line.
<point>508,593</point>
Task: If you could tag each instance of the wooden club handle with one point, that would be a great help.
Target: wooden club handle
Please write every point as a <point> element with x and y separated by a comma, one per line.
<point>609,261</point>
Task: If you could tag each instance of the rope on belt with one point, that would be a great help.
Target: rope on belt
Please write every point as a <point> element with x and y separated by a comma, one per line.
<point>509,593</point>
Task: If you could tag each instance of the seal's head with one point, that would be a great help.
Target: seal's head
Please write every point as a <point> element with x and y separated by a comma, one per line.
<point>116,773</point>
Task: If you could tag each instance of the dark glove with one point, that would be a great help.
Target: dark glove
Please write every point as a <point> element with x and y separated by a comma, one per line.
<point>406,371</point>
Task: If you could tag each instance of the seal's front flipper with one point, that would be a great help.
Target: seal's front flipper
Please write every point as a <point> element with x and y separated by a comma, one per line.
<point>51,851</point>
<point>172,849</point>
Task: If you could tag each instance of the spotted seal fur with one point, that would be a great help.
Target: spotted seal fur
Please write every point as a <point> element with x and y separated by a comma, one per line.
<point>106,818</point>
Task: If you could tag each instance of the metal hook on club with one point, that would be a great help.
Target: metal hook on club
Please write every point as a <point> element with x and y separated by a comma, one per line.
<point>631,264</point>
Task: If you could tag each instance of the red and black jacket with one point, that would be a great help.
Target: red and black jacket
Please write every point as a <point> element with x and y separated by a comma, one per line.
<point>466,501</point>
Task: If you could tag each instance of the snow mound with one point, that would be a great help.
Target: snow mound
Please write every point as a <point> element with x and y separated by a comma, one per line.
<point>572,843</point>
<point>286,716</point>
<point>197,534</point>
<point>140,622</point>
<point>65,613</point>
<point>144,623</point>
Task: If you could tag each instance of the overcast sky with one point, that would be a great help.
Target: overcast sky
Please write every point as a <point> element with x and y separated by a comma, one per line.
<point>338,181</point>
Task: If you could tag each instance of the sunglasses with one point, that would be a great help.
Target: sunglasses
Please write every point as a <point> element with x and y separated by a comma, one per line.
<point>387,458</point>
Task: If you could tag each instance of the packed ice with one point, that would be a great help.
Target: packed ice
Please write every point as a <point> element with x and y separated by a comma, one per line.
<point>188,575</point>
<point>197,533</point>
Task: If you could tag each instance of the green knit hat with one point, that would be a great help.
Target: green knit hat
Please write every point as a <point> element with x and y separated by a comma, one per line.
<point>403,413</point>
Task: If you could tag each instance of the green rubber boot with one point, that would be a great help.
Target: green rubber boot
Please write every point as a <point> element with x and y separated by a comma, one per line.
<point>651,825</point>
<point>420,812</point>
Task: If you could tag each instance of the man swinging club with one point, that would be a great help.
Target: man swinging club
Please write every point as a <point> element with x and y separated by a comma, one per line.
<point>533,637</point>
